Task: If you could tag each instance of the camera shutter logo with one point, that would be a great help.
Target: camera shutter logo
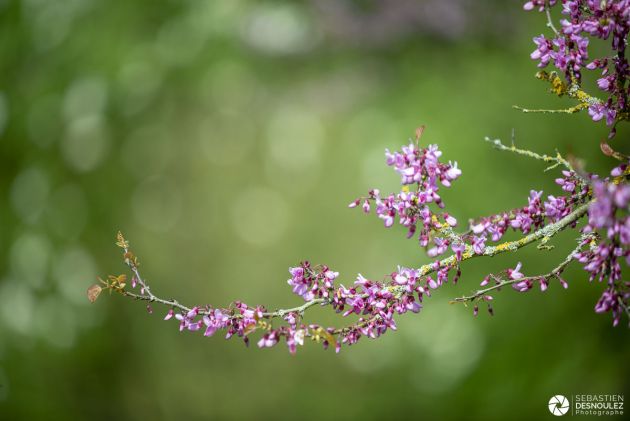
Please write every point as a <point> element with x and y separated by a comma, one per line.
<point>558,405</point>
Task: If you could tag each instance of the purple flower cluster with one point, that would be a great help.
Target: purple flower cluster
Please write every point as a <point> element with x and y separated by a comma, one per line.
<point>294,334</point>
<point>377,302</point>
<point>535,215</point>
<point>569,50</point>
<point>569,53</point>
<point>241,320</point>
<point>609,215</point>
<point>309,283</point>
<point>539,4</point>
<point>421,168</point>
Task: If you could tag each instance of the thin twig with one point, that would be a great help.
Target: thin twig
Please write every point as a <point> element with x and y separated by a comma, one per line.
<point>134,268</point>
<point>571,110</point>
<point>556,160</point>
<point>549,20</point>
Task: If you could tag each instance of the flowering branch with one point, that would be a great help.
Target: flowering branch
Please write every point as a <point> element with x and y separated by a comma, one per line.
<point>377,302</point>
<point>604,242</point>
<point>427,269</point>
<point>544,233</point>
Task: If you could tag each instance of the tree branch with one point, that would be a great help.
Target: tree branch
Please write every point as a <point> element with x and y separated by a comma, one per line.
<point>451,261</point>
<point>480,294</point>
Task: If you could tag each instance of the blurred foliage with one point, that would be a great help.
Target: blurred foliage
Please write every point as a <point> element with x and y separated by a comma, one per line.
<point>225,138</point>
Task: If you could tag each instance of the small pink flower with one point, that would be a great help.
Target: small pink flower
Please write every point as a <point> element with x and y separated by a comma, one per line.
<point>515,273</point>
<point>169,315</point>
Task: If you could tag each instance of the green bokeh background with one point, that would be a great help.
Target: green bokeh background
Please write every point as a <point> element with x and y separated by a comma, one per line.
<point>225,139</point>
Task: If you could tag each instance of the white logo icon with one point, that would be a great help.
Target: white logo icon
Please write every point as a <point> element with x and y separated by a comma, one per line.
<point>558,405</point>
